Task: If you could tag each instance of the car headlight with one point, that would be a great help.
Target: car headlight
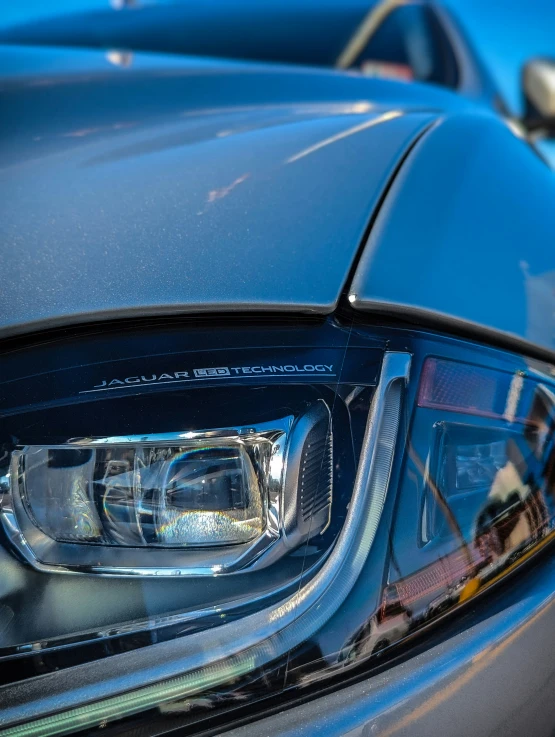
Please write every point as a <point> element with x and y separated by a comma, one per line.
<point>225,491</point>
<point>266,506</point>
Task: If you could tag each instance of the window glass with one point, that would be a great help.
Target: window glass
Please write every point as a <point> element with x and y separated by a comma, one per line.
<point>410,44</point>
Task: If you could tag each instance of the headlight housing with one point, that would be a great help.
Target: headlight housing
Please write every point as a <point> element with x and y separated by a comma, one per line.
<point>191,490</point>
<point>267,505</point>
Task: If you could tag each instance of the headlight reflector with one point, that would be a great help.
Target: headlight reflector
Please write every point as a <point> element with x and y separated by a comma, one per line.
<point>244,490</point>
<point>207,491</point>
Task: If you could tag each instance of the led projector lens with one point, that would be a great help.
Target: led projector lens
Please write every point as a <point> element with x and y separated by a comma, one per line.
<point>204,491</point>
<point>196,502</point>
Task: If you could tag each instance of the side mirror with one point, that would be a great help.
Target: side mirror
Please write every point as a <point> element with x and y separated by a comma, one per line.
<point>539,91</point>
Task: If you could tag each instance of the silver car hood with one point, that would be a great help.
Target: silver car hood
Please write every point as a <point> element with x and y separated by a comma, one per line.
<point>140,186</point>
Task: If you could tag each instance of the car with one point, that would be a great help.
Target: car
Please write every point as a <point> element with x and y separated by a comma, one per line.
<point>277,401</point>
<point>481,52</point>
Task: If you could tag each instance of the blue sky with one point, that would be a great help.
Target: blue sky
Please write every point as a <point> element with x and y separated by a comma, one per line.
<point>507,33</point>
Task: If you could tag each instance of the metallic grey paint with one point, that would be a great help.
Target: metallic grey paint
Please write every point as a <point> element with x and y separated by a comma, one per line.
<point>191,187</point>
<point>466,235</point>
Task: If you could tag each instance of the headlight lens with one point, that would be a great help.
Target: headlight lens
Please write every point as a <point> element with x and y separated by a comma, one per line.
<point>280,516</point>
<point>246,489</point>
<point>204,493</point>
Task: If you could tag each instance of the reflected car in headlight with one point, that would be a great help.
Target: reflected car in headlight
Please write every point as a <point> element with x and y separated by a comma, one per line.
<point>277,404</point>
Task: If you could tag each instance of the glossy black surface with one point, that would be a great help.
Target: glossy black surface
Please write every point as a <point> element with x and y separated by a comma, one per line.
<point>489,674</point>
